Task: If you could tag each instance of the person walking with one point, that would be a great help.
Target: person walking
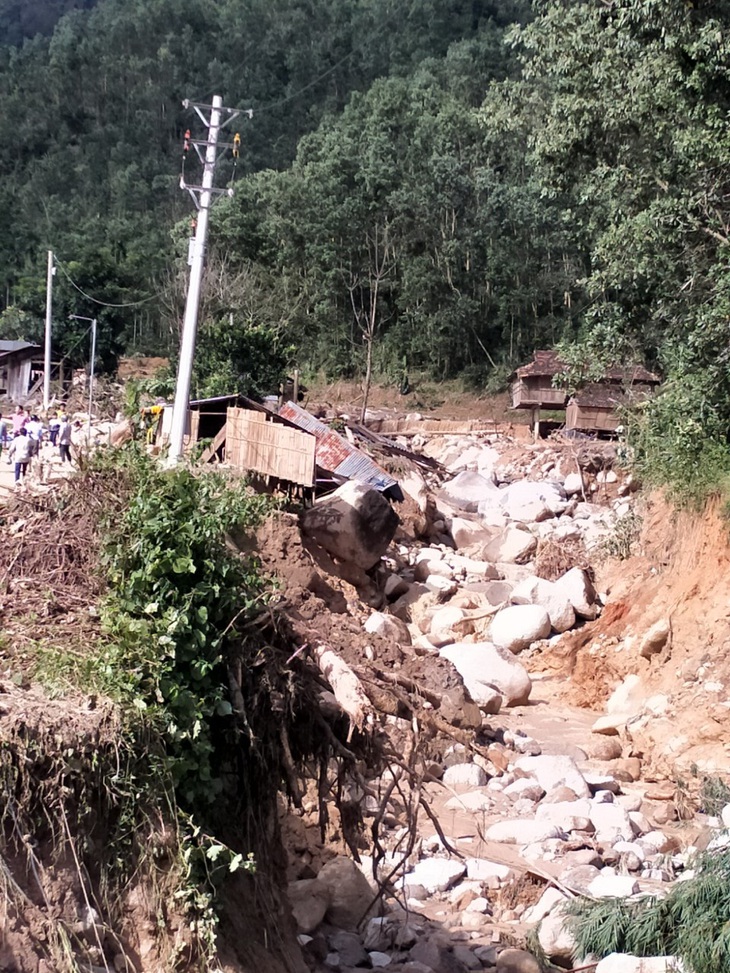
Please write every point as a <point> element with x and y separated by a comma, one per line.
<point>20,418</point>
<point>53,426</point>
<point>3,432</point>
<point>64,440</point>
<point>20,453</point>
<point>34,428</point>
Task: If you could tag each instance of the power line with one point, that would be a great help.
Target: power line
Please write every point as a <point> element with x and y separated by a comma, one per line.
<point>94,300</point>
<point>300,91</point>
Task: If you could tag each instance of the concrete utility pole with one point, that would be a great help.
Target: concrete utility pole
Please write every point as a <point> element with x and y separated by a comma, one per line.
<point>202,196</point>
<point>47,354</point>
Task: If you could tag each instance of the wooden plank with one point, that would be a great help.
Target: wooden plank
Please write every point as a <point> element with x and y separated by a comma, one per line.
<point>210,451</point>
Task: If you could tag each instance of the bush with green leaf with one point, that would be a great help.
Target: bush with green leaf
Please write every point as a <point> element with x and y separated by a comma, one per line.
<point>692,922</point>
<point>178,600</point>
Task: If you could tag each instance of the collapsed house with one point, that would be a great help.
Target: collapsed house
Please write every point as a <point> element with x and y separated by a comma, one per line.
<point>17,369</point>
<point>285,446</point>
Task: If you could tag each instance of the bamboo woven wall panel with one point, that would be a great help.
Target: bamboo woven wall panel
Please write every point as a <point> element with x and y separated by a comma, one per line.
<point>253,442</point>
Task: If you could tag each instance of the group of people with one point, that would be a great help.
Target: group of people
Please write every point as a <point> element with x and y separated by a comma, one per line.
<point>25,432</point>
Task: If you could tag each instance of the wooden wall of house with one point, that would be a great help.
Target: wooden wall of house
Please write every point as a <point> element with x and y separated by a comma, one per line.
<point>18,381</point>
<point>590,418</point>
<point>536,391</point>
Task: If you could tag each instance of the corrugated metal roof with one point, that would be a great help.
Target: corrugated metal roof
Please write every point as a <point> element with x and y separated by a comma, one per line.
<point>334,453</point>
<point>6,347</point>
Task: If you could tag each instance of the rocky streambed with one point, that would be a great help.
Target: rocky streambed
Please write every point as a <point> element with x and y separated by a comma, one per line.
<point>558,804</point>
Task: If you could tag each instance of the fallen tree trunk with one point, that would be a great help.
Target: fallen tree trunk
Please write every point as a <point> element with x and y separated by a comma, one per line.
<point>346,686</point>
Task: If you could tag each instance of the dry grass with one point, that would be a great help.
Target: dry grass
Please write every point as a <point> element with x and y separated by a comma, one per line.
<point>554,558</point>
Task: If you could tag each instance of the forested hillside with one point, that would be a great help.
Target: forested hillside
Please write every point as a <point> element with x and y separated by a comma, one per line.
<point>440,186</point>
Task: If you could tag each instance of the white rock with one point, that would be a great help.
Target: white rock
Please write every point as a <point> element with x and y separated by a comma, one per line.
<point>553,771</point>
<point>530,501</point>
<point>379,960</point>
<point>573,483</point>
<point>388,627</point>
<point>426,567</point>
<point>522,832</point>
<point>602,782</point>
<point>513,545</point>
<point>613,886</point>
<point>549,899</point>
<point>609,725</point>
<point>628,697</point>
<point>612,823</point>
<point>443,622</point>
<point>630,848</point>
<point>555,937</point>
<point>517,627</point>
<point>538,591</point>
<point>524,787</point>
<point>566,815</point>
<point>440,585</point>
<point>485,668</point>
<point>436,874</point>
<point>464,775</point>
<point>623,963</point>
<point>482,870</point>
<point>471,566</point>
<point>655,639</point>
<point>480,905</point>
<point>639,822</point>
<point>474,802</point>
<point>468,533</point>
<point>467,489</point>
<point>725,816</point>
<point>581,594</point>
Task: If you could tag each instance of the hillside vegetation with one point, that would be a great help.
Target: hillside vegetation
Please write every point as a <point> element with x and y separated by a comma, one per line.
<point>437,188</point>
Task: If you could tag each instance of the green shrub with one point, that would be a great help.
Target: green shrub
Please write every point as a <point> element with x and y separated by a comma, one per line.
<point>691,923</point>
<point>178,600</point>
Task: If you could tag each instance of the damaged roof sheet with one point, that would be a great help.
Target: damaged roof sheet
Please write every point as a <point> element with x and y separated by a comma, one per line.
<point>335,454</point>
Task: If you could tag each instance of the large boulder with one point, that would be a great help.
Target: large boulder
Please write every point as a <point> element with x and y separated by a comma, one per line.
<point>555,938</point>
<point>578,589</point>
<point>517,627</point>
<point>309,900</point>
<point>538,591</point>
<point>555,771</point>
<point>436,874</point>
<point>467,490</point>
<point>355,524</point>
<point>486,668</point>
<point>513,545</point>
<point>468,534</point>
<point>530,502</point>
<point>624,963</point>
<point>349,891</point>
<point>517,961</point>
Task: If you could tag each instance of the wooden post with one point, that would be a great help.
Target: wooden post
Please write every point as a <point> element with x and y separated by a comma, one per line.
<point>535,420</point>
<point>295,396</point>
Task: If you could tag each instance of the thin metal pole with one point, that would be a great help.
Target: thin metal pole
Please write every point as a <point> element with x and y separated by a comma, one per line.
<point>190,321</point>
<point>47,352</point>
<point>91,373</point>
